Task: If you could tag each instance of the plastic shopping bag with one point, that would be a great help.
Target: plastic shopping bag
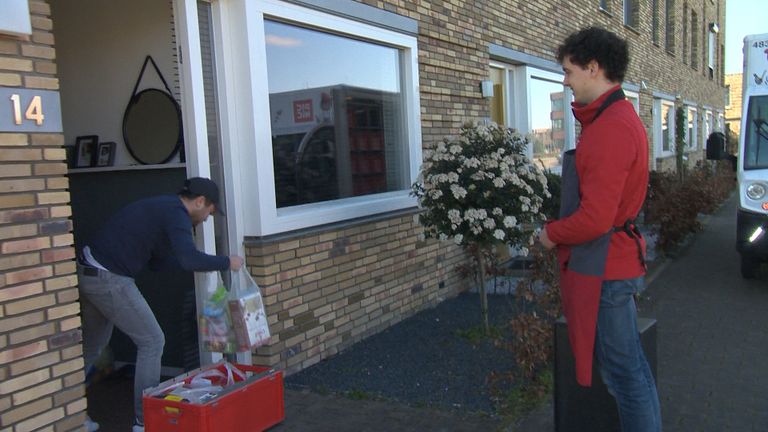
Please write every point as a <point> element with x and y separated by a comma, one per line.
<point>199,387</point>
<point>215,326</point>
<point>249,317</point>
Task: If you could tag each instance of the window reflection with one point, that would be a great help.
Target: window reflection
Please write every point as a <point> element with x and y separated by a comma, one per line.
<point>336,115</point>
<point>547,113</point>
<point>666,122</point>
<point>692,126</point>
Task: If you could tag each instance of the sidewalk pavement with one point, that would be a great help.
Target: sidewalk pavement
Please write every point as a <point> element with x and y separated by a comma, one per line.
<point>306,411</point>
<point>712,343</point>
<point>712,359</point>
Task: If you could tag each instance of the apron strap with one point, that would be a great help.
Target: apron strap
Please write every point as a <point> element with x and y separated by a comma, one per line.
<point>630,229</point>
<point>613,97</point>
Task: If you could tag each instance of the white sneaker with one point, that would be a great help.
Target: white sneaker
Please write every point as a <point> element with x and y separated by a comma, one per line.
<point>90,425</point>
<point>137,428</point>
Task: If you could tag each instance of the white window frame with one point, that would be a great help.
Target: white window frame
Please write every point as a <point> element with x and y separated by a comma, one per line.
<point>245,107</point>
<point>691,130</point>
<point>636,101</point>
<point>657,130</point>
<point>720,125</point>
<point>708,126</point>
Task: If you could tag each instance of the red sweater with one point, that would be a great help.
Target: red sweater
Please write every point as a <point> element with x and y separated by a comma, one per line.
<point>612,164</point>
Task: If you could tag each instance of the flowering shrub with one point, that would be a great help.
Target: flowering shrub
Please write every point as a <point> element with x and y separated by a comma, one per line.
<point>481,188</point>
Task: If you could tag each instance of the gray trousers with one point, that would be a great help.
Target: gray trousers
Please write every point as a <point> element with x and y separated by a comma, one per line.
<point>108,300</point>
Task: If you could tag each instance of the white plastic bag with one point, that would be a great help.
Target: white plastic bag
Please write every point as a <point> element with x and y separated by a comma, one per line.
<point>248,315</point>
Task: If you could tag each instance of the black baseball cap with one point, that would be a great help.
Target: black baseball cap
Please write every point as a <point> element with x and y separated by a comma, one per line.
<point>201,186</point>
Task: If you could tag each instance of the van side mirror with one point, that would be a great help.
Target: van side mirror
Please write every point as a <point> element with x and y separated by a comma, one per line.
<point>716,146</point>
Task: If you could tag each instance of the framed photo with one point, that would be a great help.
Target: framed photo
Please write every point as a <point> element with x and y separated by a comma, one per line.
<point>105,156</point>
<point>85,150</point>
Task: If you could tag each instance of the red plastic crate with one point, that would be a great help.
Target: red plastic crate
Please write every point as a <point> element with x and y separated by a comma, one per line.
<point>252,405</point>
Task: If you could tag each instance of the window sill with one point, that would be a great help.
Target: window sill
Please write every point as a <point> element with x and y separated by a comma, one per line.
<point>125,168</point>
<point>633,29</point>
<point>342,211</point>
<point>254,241</point>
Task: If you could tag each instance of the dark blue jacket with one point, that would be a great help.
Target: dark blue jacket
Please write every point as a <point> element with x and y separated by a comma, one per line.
<point>153,232</point>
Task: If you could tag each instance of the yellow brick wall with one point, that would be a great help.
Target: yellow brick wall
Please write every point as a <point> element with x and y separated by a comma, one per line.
<point>329,289</point>
<point>733,110</point>
<point>41,365</point>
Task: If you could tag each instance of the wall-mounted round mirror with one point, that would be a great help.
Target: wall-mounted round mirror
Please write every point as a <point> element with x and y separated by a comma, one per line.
<point>152,127</point>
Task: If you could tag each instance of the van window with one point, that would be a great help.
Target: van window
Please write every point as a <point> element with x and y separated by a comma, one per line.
<point>756,134</point>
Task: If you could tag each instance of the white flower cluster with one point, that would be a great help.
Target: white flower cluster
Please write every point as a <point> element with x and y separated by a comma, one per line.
<point>481,188</point>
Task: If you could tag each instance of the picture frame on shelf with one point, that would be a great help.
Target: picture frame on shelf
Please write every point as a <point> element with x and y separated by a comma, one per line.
<point>85,150</point>
<point>105,155</point>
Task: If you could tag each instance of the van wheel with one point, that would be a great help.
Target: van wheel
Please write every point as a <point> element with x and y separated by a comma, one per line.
<point>749,265</point>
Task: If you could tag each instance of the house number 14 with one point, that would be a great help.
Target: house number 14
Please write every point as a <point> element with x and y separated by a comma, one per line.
<point>34,110</point>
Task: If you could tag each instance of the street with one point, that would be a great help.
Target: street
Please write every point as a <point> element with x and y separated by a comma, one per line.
<point>712,338</point>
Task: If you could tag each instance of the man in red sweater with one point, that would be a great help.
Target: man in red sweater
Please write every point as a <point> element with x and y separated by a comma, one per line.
<point>599,248</point>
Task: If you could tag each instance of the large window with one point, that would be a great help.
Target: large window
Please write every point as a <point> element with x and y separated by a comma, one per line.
<point>694,39</point>
<point>691,133</point>
<point>630,13</point>
<point>664,127</point>
<point>685,33</point>
<point>711,48</point>
<point>535,102</point>
<point>708,126</point>
<point>669,26</point>
<point>323,111</point>
<point>547,107</point>
<point>336,109</point>
<point>655,21</point>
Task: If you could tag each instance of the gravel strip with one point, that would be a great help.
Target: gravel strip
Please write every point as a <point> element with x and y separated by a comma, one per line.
<point>421,361</point>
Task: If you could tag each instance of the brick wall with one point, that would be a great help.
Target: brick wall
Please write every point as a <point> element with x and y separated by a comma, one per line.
<point>733,110</point>
<point>41,366</point>
<point>328,289</point>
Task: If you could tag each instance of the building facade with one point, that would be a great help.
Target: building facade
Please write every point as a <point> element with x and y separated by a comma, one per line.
<point>312,116</point>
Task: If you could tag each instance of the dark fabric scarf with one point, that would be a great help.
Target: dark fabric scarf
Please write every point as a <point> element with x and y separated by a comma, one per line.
<point>581,269</point>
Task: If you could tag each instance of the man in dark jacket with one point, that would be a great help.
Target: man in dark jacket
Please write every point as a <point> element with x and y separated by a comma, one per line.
<point>611,167</point>
<point>153,233</point>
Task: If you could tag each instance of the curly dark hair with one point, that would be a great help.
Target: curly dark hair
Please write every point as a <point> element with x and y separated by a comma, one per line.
<point>595,43</point>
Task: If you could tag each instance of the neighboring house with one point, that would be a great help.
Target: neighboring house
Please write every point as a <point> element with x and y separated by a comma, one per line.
<point>733,107</point>
<point>312,115</point>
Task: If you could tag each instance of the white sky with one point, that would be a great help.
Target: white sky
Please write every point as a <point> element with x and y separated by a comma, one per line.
<point>742,17</point>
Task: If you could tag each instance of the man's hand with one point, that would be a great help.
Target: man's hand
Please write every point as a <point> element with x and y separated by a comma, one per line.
<point>544,239</point>
<point>235,262</point>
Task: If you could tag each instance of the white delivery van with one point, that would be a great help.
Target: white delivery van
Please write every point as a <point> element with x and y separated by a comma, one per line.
<point>752,165</point>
